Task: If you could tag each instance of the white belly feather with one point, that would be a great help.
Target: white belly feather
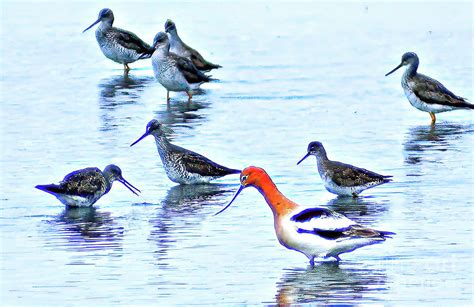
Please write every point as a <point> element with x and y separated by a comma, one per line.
<point>423,106</point>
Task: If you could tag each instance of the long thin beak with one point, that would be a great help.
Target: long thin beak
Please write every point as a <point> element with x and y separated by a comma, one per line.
<point>141,138</point>
<point>307,155</point>
<point>129,186</point>
<point>96,22</point>
<point>235,196</point>
<point>401,64</point>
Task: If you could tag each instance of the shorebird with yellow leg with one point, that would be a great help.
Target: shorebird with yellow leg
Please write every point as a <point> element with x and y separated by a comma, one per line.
<point>121,46</point>
<point>427,94</point>
<point>315,232</point>
<point>173,72</point>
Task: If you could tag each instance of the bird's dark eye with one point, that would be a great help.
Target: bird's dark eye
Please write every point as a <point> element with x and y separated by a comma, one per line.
<point>244,178</point>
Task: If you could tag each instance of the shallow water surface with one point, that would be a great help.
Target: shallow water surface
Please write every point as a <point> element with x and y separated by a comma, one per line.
<point>293,73</point>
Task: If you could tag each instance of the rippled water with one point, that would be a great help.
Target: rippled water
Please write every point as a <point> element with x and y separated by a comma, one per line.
<point>292,74</point>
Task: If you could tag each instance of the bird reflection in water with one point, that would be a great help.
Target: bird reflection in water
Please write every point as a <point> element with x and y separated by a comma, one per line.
<point>183,114</point>
<point>422,140</point>
<point>85,228</point>
<point>329,284</point>
<point>119,91</point>
<point>182,211</point>
<point>363,210</point>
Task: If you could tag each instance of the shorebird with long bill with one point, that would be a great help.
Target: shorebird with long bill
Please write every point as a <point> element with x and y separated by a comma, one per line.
<point>340,178</point>
<point>182,165</point>
<point>180,48</point>
<point>427,94</point>
<point>118,45</point>
<point>315,232</point>
<point>173,72</point>
<point>82,188</point>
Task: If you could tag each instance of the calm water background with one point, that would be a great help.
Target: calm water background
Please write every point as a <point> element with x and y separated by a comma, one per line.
<point>292,74</point>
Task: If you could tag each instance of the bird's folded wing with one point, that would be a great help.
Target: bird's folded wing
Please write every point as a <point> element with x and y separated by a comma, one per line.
<point>189,71</point>
<point>131,41</point>
<point>84,182</point>
<point>349,175</point>
<point>322,219</point>
<point>433,92</point>
<point>198,164</point>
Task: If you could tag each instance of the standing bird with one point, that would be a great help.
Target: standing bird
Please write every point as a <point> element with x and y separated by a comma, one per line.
<point>315,232</point>
<point>181,49</point>
<point>340,178</point>
<point>174,72</point>
<point>82,188</point>
<point>427,94</point>
<point>183,166</point>
<point>119,45</point>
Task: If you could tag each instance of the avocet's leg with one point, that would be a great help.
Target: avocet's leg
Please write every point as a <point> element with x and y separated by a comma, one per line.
<point>126,68</point>
<point>190,96</point>
<point>337,258</point>
<point>167,96</point>
<point>433,118</point>
<point>311,261</point>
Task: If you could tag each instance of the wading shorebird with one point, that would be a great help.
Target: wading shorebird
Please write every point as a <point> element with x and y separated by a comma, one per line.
<point>427,94</point>
<point>82,188</point>
<point>183,166</point>
<point>340,178</point>
<point>174,72</point>
<point>315,232</point>
<point>119,45</point>
<point>181,49</point>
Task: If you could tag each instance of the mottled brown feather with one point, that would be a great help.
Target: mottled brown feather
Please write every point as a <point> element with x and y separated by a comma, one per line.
<point>189,71</point>
<point>362,232</point>
<point>129,40</point>
<point>433,92</point>
<point>199,61</point>
<point>348,175</point>
<point>85,182</point>
<point>198,164</point>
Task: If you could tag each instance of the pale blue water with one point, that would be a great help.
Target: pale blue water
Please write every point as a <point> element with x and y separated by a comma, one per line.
<point>292,74</point>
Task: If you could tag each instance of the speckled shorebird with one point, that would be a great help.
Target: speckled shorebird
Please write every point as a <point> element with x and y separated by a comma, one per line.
<point>174,72</point>
<point>315,232</point>
<point>181,49</point>
<point>183,166</point>
<point>340,178</point>
<point>82,188</point>
<point>427,94</point>
<point>119,45</point>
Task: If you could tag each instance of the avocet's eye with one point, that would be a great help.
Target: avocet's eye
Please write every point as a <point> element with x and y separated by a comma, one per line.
<point>243,178</point>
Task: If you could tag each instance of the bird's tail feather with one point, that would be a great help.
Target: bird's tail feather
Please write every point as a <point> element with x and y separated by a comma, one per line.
<point>386,234</point>
<point>233,171</point>
<point>466,105</point>
<point>145,56</point>
<point>49,188</point>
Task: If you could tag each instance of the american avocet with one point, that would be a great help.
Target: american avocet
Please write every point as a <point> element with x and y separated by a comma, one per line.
<point>181,49</point>
<point>340,178</point>
<point>182,165</point>
<point>119,45</point>
<point>175,73</point>
<point>315,232</point>
<point>427,94</point>
<point>82,188</point>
